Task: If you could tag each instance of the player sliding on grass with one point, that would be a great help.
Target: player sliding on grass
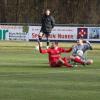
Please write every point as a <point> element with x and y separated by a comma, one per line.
<point>48,23</point>
<point>54,53</point>
<point>79,50</point>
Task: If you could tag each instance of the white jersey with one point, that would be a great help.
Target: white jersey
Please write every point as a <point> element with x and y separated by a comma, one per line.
<point>84,48</point>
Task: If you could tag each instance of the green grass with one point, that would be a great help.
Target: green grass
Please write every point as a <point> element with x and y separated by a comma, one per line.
<point>26,75</point>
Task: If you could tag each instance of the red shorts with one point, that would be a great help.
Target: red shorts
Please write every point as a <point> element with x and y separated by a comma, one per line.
<point>58,64</point>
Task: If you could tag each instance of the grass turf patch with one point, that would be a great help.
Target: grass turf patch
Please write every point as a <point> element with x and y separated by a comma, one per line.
<point>26,75</point>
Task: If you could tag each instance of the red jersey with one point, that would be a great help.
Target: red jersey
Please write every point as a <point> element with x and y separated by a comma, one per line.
<point>54,53</point>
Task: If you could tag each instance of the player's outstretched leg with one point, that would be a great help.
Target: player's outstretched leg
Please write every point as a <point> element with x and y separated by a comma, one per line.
<point>40,37</point>
<point>77,59</point>
<point>65,62</point>
<point>48,42</point>
<point>40,40</point>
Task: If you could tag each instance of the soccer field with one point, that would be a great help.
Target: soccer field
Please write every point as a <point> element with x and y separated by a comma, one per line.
<point>26,75</point>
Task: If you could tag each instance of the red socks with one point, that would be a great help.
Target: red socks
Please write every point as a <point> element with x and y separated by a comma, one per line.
<point>78,60</point>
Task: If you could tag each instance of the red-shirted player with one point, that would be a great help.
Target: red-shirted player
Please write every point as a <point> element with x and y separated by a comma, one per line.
<point>54,53</point>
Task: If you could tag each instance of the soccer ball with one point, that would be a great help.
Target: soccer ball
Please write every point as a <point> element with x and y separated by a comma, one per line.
<point>80,53</point>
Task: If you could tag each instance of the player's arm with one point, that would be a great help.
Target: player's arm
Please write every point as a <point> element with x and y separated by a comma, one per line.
<point>89,46</point>
<point>66,50</point>
<point>41,50</point>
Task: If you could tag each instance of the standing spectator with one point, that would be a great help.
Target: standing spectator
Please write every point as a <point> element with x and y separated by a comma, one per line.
<point>48,23</point>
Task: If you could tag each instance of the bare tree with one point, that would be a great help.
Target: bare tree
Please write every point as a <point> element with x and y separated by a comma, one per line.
<point>64,11</point>
<point>2,11</point>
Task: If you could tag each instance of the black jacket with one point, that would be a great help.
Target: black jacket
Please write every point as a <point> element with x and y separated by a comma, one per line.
<point>48,23</point>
